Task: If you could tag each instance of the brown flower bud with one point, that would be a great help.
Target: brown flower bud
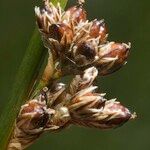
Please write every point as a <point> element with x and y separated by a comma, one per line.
<point>75,14</point>
<point>99,29</point>
<point>112,57</point>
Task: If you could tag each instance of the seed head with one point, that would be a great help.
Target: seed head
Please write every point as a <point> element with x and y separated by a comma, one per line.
<point>89,108</point>
<point>70,36</point>
<point>80,47</point>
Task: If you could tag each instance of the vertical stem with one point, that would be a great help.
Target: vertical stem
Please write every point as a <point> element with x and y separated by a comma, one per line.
<point>24,82</point>
<point>22,85</point>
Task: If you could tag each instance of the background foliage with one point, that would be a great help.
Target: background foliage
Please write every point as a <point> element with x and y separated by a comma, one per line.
<point>128,20</point>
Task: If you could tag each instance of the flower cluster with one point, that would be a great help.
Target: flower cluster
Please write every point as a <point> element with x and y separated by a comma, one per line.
<point>78,41</point>
<point>60,106</point>
<point>81,48</point>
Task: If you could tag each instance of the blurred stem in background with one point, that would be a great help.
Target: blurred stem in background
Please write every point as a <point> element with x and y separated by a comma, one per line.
<point>30,69</point>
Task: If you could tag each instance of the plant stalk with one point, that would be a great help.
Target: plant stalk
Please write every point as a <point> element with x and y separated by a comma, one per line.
<point>26,77</point>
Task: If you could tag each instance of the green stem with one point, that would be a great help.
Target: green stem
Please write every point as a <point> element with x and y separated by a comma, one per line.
<point>24,82</point>
<point>22,85</point>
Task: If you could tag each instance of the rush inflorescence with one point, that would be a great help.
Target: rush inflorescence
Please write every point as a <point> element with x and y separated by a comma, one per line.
<point>79,47</point>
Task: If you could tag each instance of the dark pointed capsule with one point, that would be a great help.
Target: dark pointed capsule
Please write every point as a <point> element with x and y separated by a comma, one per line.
<point>58,31</point>
<point>75,14</point>
<point>99,29</point>
<point>118,115</point>
<point>86,49</point>
<point>85,53</point>
<point>112,57</point>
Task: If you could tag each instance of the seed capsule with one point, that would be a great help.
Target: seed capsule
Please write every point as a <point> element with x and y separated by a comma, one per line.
<point>87,50</point>
<point>75,14</point>
<point>112,57</point>
<point>117,114</point>
<point>58,31</point>
<point>99,29</point>
<point>34,114</point>
<point>84,53</point>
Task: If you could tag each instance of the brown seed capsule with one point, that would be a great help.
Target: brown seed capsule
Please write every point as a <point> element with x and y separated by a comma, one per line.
<point>34,116</point>
<point>112,57</point>
<point>84,53</point>
<point>86,49</point>
<point>99,29</point>
<point>30,124</point>
<point>58,31</point>
<point>117,114</point>
<point>75,14</point>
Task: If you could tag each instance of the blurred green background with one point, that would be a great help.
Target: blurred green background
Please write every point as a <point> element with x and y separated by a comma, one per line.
<point>128,20</point>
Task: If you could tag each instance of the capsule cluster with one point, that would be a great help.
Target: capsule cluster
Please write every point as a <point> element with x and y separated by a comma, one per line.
<point>60,106</point>
<point>84,43</point>
<point>79,47</point>
<point>91,109</point>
